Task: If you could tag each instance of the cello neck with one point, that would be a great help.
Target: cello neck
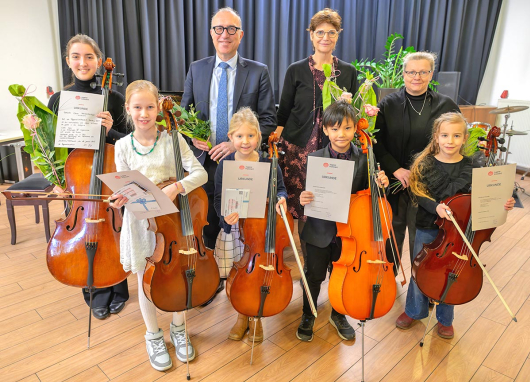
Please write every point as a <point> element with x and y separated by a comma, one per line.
<point>270,232</point>
<point>184,205</point>
<point>374,192</point>
<point>99,154</point>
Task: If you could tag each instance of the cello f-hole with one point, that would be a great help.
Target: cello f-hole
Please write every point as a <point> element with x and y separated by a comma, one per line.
<point>111,210</point>
<point>385,266</point>
<point>203,253</point>
<point>253,263</point>
<point>170,251</point>
<point>75,218</point>
<point>277,266</point>
<point>444,252</point>
<point>475,263</point>
<point>360,260</point>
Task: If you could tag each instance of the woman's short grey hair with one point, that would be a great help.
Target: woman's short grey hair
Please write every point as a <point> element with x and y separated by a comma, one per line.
<point>429,56</point>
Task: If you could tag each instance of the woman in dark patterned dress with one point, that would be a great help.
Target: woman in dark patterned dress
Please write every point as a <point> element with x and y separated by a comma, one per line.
<point>300,111</point>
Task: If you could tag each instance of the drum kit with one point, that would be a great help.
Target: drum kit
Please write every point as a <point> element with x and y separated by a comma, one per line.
<point>505,132</point>
<point>510,132</point>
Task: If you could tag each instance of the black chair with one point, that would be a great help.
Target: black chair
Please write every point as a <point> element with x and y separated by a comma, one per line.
<point>35,183</point>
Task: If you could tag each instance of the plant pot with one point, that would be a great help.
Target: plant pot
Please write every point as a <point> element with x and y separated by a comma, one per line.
<point>383,92</point>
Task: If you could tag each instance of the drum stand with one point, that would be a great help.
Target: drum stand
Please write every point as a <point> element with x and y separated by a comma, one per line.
<point>505,126</point>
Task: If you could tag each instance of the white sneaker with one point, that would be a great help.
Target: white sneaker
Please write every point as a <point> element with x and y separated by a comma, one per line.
<point>178,338</point>
<point>157,350</point>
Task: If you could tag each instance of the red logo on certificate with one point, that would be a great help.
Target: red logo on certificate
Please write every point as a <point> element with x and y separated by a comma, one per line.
<point>490,173</point>
<point>241,167</point>
<point>326,164</point>
<point>77,97</point>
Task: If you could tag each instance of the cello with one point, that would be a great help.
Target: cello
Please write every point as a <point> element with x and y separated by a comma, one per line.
<point>260,284</point>
<point>448,270</point>
<point>363,267</point>
<point>84,250</point>
<point>362,284</point>
<point>182,273</point>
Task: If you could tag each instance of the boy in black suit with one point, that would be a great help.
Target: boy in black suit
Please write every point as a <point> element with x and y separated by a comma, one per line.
<point>323,247</point>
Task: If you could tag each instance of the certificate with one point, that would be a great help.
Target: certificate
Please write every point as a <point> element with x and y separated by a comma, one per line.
<point>330,181</point>
<point>77,124</point>
<point>253,176</point>
<point>491,188</point>
<point>146,200</point>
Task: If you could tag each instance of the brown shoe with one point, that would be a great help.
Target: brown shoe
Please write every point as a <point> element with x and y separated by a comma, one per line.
<point>446,332</point>
<point>239,329</point>
<point>259,330</point>
<point>404,321</point>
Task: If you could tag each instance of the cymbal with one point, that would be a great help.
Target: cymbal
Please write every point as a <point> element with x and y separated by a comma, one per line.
<point>515,132</point>
<point>508,109</point>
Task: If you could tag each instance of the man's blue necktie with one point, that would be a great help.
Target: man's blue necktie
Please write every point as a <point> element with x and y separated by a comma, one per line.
<point>222,106</point>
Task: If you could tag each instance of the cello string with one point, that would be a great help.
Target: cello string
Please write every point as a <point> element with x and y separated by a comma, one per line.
<point>184,206</point>
<point>470,235</point>
<point>465,252</point>
<point>376,218</point>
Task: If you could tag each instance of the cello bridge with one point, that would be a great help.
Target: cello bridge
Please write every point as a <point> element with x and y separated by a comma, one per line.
<point>267,268</point>
<point>461,257</point>
<point>192,251</point>
<point>94,220</point>
<point>376,262</point>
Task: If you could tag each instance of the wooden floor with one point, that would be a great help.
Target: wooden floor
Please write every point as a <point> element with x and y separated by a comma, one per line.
<point>43,327</point>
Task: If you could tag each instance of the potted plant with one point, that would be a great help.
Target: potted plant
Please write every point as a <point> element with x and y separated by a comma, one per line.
<point>389,70</point>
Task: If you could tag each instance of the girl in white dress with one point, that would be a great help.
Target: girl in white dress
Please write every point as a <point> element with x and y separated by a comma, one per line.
<point>151,152</point>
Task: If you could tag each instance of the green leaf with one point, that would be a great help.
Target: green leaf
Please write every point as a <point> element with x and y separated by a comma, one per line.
<point>326,95</point>
<point>17,90</point>
<point>327,70</point>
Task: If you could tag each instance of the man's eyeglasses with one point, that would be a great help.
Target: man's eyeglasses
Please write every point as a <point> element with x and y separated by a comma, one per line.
<point>332,33</point>
<point>423,73</point>
<point>220,29</point>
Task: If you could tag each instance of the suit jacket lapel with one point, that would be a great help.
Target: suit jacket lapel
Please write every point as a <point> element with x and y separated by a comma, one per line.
<point>203,88</point>
<point>241,77</point>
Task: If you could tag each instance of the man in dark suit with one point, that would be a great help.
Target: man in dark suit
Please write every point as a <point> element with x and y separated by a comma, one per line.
<point>218,86</point>
<point>246,83</point>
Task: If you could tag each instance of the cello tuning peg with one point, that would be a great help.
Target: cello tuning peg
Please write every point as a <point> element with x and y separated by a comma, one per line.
<point>501,141</point>
<point>503,149</point>
<point>482,139</point>
<point>281,152</point>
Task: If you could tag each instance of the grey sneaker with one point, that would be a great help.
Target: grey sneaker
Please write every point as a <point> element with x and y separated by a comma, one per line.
<point>344,329</point>
<point>305,329</point>
<point>178,339</point>
<point>157,350</point>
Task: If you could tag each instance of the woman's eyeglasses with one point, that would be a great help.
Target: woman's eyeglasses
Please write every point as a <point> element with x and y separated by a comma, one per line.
<point>412,74</point>
<point>332,33</point>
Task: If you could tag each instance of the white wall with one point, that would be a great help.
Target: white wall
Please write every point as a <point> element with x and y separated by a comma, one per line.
<point>29,43</point>
<point>508,66</point>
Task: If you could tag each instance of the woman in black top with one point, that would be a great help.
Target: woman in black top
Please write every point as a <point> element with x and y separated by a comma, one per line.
<point>300,111</point>
<point>405,121</point>
<point>84,57</point>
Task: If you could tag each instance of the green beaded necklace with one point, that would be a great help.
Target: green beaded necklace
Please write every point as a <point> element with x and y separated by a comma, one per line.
<point>150,151</point>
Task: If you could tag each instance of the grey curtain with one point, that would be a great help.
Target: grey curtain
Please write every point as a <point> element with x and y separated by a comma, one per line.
<point>158,39</point>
